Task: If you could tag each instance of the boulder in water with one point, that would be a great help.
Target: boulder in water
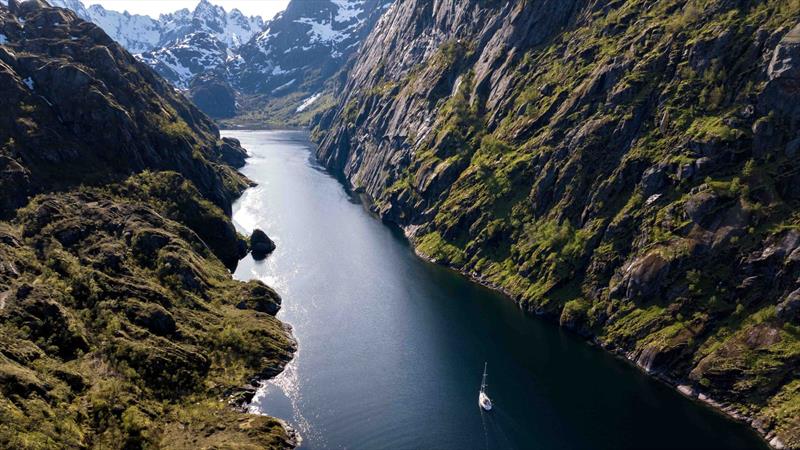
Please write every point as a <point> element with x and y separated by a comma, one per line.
<point>261,245</point>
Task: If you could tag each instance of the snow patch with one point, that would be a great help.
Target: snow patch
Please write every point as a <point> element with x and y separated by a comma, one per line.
<point>284,86</point>
<point>28,82</point>
<point>652,199</point>
<point>308,102</point>
<point>347,10</point>
<point>3,39</point>
<point>277,70</point>
<point>322,32</point>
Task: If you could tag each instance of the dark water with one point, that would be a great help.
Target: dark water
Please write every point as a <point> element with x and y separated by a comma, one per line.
<point>392,348</point>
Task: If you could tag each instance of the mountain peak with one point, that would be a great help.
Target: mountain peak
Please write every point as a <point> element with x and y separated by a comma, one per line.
<point>140,33</point>
<point>205,5</point>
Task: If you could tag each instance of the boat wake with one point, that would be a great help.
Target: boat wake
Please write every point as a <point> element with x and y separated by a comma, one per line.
<point>494,424</point>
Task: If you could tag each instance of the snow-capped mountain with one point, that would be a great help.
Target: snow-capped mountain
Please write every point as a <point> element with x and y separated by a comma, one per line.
<point>216,52</point>
<point>304,45</point>
<point>179,45</point>
<point>231,28</point>
<point>138,33</point>
<point>180,61</point>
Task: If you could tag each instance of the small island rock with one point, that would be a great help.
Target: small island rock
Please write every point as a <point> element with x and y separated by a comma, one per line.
<point>260,244</point>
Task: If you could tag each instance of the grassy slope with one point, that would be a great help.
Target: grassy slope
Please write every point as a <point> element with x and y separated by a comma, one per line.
<point>279,112</point>
<point>555,224</point>
<point>120,325</point>
<point>121,329</point>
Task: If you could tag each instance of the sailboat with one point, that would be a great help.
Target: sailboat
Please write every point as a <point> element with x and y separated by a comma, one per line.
<point>483,400</point>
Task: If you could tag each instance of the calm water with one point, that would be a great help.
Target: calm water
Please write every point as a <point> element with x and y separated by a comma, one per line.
<point>392,348</point>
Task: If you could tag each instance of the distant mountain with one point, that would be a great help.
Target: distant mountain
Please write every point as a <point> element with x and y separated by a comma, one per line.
<point>182,60</point>
<point>304,45</point>
<point>285,62</point>
<point>179,45</point>
<point>231,28</point>
<point>139,34</point>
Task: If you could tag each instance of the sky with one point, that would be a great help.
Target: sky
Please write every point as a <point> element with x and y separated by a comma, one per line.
<point>264,8</point>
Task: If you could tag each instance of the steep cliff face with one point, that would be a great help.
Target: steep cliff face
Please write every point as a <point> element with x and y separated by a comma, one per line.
<point>626,168</point>
<point>120,324</point>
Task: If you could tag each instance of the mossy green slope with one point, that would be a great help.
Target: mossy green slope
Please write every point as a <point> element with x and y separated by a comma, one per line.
<point>626,168</point>
<point>120,323</point>
<point>121,329</point>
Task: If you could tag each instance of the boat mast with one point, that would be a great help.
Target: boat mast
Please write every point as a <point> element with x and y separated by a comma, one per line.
<point>483,382</point>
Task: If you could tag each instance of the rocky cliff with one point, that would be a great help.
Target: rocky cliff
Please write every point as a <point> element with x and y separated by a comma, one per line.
<point>120,324</point>
<point>627,168</point>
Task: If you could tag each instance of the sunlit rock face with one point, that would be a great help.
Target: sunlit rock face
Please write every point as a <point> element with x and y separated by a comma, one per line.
<point>625,168</point>
<point>115,203</point>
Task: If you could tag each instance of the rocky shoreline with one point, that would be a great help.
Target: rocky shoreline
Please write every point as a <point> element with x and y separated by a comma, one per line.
<point>121,325</point>
<point>240,398</point>
<point>631,358</point>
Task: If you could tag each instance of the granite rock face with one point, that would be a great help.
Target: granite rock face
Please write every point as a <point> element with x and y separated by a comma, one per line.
<point>626,168</point>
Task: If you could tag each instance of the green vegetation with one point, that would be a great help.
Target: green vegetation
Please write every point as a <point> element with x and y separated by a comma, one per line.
<point>627,175</point>
<point>123,330</point>
<point>280,112</point>
<point>120,324</point>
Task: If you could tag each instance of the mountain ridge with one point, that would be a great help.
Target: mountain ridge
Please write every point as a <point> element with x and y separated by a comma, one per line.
<point>140,33</point>
<point>622,168</point>
<point>272,68</point>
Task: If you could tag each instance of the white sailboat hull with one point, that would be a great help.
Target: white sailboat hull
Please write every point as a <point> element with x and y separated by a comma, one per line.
<point>484,402</point>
